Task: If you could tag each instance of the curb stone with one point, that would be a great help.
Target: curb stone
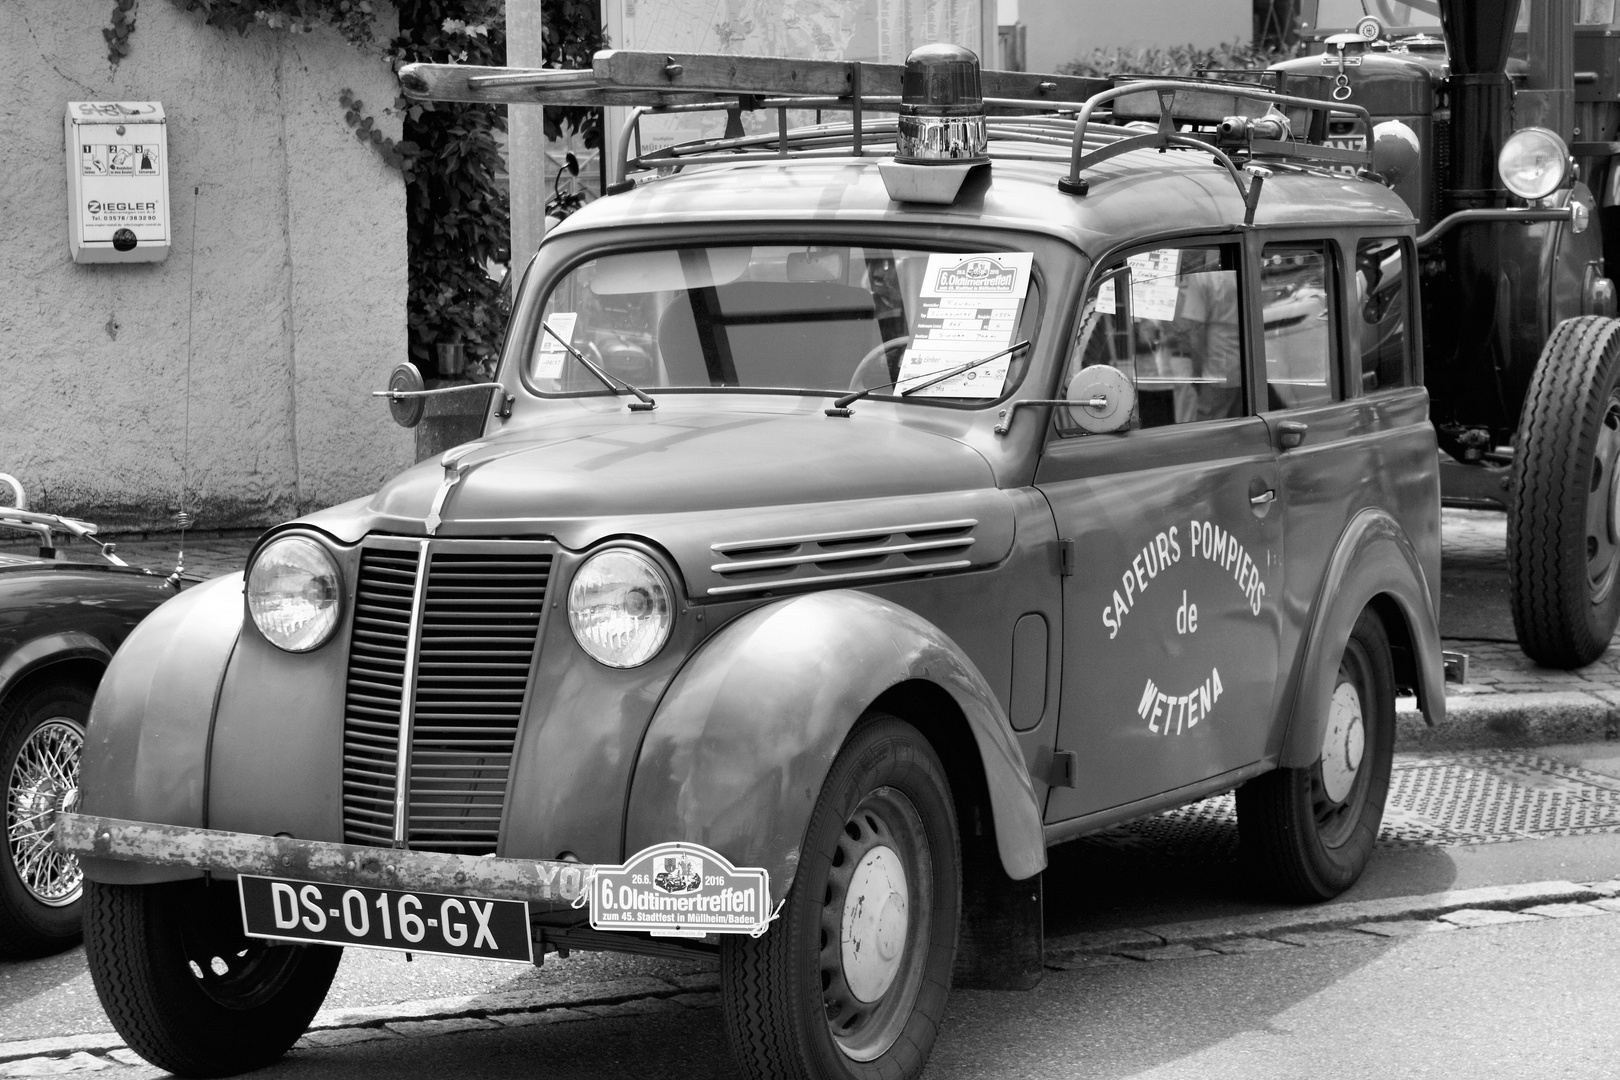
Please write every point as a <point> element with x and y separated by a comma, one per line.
<point>1366,920</point>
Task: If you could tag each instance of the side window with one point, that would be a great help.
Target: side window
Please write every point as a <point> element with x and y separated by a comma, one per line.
<point>1297,306</point>
<point>1381,334</point>
<point>1170,319</point>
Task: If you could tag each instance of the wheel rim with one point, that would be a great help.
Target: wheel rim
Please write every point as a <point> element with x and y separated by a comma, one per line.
<point>236,971</point>
<point>1340,780</point>
<point>875,924</point>
<point>1603,506</point>
<point>44,779</point>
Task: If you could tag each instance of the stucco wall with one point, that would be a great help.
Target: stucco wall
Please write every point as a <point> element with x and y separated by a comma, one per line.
<point>283,294</point>
<point>1060,30</point>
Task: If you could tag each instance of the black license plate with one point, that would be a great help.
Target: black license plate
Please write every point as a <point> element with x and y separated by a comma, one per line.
<point>386,919</point>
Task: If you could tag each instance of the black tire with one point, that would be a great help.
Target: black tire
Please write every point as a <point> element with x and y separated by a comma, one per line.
<point>186,989</point>
<point>41,740</point>
<point>793,998</point>
<point>1563,542</point>
<point>1309,832</point>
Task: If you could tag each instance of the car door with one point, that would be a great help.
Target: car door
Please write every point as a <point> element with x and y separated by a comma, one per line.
<point>1170,627</point>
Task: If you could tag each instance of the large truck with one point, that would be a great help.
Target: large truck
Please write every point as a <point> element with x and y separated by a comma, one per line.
<point>1510,120</point>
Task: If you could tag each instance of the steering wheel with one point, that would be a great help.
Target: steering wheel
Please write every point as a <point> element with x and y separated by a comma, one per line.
<point>873,370</point>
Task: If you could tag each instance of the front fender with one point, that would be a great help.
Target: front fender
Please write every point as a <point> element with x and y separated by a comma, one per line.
<point>1374,559</point>
<point>146,746</point>
<point>50,649</point>
<point>742,742</point>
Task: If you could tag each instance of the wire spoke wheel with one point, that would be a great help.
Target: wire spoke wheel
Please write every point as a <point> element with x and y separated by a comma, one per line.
<point>44,778</point>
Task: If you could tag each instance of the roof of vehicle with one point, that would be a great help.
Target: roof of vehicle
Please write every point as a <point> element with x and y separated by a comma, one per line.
<point>1138,193</point>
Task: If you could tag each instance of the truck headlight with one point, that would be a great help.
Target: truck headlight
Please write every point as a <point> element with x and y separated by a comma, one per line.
<point>293,593</point>
<point>619,607</point>
<point>1534,163</point>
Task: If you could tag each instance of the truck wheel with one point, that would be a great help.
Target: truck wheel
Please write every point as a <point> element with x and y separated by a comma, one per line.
<point>1311,831</point>
<point>186,989</point>
<point>41,738</point>
<point>1563,539</point>
<point>851,981</point>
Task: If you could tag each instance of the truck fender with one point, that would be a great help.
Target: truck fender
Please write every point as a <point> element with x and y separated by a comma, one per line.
<point>50,649</point>
<point>146,746</point>
<point>1374,560</point>
<point>742,741</point>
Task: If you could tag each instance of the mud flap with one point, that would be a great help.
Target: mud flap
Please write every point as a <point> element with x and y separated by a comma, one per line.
<point>1000,946</point>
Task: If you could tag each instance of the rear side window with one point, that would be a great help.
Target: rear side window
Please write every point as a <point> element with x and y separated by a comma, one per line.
<point>1296,296</point>
<point>1381,333</point>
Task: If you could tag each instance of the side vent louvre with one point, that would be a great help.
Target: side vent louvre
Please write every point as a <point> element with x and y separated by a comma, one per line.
<point>851,556</point>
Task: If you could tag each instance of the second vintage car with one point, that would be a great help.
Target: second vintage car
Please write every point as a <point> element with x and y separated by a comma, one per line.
<point>861,509</point>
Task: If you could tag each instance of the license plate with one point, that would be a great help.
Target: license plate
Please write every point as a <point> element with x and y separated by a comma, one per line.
<point>386,919</point>
<point>1358,143</point>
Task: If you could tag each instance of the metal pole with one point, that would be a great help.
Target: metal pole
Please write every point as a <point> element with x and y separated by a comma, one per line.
<point>526,135</point>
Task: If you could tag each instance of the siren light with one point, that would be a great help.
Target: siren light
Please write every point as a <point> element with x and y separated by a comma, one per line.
<point>941,134</point>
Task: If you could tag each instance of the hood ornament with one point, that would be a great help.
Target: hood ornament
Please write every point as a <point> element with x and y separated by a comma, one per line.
<point>454,470</point>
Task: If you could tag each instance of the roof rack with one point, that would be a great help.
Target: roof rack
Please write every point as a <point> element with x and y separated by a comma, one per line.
<point>1224,117</point>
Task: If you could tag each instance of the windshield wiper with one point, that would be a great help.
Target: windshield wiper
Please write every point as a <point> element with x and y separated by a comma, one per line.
<point>645,404</point>
<point>841,406</point>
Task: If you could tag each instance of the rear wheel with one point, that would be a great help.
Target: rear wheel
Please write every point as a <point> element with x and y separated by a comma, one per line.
<point>1563,535</point>
<point>1311,831</point>
<point>187,989</point>
<point>41,739</point>
<point>851,981</point>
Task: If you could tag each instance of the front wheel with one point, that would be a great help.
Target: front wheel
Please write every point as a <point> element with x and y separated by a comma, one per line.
<point>187,990</point>
<point>41,739</point>
<point>1311,831</point>
<point>1563,527</point>
<point>851,981</point>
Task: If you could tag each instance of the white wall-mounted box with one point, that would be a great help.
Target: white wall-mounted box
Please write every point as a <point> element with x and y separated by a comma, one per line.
<point>118,181</point>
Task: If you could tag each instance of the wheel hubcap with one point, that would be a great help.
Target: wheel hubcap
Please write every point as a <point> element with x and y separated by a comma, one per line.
<point>875,924</point>
<point>45,779</point>
<point>873,937</point>
<point>1603,507</point>
<point>1343,745</point>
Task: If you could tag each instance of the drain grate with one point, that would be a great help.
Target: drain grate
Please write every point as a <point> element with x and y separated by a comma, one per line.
<point>1434,800</point>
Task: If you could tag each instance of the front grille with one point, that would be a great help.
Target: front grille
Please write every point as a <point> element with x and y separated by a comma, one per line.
<point>478,616</point>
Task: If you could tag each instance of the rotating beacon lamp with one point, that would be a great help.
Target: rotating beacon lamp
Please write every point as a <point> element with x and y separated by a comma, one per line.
<point>941,135</point>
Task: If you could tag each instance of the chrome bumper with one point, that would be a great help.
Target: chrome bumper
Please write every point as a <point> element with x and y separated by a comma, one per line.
<point>547,885</point>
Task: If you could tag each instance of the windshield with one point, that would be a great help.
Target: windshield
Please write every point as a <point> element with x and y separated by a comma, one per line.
<point>817,318</point>
<point>1343,14</point>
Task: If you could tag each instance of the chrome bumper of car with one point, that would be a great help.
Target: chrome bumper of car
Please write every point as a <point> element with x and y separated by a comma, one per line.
<point>548,884</point>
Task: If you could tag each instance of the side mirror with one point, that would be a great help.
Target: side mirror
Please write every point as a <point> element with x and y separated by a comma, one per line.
<point>1101,399</point>
<point>407,411</point>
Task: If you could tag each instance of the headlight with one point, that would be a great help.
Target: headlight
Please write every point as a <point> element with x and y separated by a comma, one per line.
<point>1533,163</point>
<point>292,593</point>
<point>619,606</point>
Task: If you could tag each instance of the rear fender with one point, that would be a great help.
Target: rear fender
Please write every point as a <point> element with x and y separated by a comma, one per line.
<point>743,740</point>
<point>146,746</point>
<point>1374,561</point>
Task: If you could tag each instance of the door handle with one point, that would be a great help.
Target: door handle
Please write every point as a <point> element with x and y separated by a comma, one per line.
<point>1263,498</point>
<point>1290,433</point>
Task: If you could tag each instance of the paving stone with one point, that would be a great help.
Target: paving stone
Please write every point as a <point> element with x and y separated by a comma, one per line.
<point>420,1028</point>
<point>79,1062</point>
<point>640,1007</point>
<point>345,1036</point>
<point>94,1043</point>
<point>700,980</point>
<point>697,1001</point>
<point>1326,937</point>
<point>125,1056</point>
<point>1166,952</point>
<point>1472,917</point>
<point>1101,941</point>
<point>1084,960</point>
<point>601,991</point>
<point>1610,903</point>
<point>1243,945</point>
<point>1396,928</point>
<point>542,1016</point>
<point>1607,888</point>
<point>1563,911</point>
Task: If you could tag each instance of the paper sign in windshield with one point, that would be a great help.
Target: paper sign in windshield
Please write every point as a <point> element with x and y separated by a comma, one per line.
<point>969,308</point>
<point>549,364</point>
<point>1153,285</point>
<point>680,890</point>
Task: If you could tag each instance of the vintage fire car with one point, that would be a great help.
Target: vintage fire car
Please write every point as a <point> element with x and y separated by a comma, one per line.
<point>60,622</point>
<point>862,508</point>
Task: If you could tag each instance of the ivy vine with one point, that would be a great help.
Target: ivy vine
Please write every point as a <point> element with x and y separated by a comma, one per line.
<point>457,203</point>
